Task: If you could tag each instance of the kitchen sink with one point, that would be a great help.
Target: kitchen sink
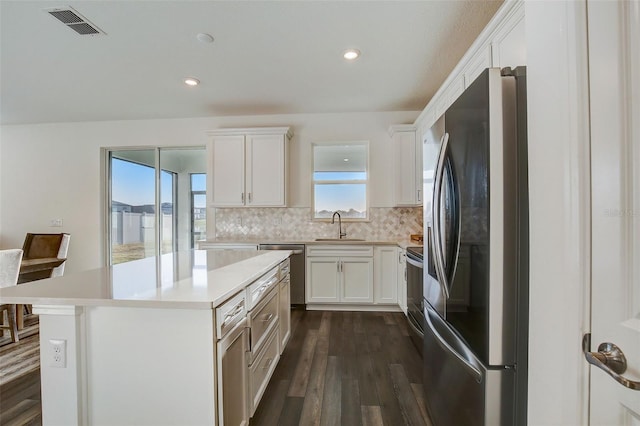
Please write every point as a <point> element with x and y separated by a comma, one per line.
<point>339,239</point>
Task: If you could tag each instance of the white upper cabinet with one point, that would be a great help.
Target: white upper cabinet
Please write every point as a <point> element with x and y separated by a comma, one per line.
<point>508,46</point>
<point>480,61</point>
<point>407,165</point>
<point>228,183</point>
<point>249,167</point>
<point>501,44</point>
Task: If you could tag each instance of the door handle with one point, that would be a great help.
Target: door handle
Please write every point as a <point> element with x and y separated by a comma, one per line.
<point>436,235</point>
<point>609,358</point>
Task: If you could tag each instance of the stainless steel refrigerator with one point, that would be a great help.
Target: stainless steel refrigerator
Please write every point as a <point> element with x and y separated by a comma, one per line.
<point>476,292</point>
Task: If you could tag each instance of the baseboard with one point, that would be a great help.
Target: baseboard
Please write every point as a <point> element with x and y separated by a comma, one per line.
<point>352,307</point>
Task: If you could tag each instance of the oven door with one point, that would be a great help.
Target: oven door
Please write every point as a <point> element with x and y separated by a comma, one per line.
<point>415,300</point>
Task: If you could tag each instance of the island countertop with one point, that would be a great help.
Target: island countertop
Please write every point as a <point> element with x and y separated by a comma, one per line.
<point>194,279</point>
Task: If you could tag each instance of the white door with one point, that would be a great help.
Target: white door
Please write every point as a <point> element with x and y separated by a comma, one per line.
<point>614,67</point>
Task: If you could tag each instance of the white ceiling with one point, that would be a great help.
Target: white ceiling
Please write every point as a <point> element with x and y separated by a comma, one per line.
<point>268,57</point>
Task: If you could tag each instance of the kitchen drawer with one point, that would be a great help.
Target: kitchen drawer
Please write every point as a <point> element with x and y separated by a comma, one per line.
<point>285,268</point>
<point>261,286</point>
<point>340,251</point>
<point>262,319</point>
<point>230,313</point>
<point>261,370</point>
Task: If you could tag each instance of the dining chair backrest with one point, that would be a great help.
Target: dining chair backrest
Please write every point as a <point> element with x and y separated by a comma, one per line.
<point>62,254</point>
<point>9,266</point>
<point>39,246</point>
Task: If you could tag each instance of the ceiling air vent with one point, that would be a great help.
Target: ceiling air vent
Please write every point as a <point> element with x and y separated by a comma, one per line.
<point>72,19</point>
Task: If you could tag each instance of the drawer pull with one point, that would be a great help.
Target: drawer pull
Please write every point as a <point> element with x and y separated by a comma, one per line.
<point>267,363</point>
<point>236,311</point>
<point>266,317</point>
<point>267,285</point>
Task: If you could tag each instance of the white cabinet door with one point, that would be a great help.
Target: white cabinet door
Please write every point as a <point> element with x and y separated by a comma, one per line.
<point>357,279</point>
<point>509,46</point>
<point>402,280</point>
<point>322,280</point>
<point>232,377</point>
<point>265,170</point>
<point>249,167</point>
<point>385,281</point>
<point>480,61</point>
<point>227,189</point>
<point>407,165</point>
<point>284,311</point>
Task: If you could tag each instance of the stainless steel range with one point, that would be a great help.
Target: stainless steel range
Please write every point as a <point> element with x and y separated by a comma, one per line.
<point>415,297</point>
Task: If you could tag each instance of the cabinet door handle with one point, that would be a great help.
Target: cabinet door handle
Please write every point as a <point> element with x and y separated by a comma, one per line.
<point>250,200</point>
<point>419,194</point>
<point>242,197</point>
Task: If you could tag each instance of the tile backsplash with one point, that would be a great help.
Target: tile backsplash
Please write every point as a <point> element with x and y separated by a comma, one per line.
<point>279,224</point>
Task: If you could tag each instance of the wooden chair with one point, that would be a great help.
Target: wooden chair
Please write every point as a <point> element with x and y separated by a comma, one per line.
<point>39,246</point>
<point>9,269</point>
<point>42,246</point>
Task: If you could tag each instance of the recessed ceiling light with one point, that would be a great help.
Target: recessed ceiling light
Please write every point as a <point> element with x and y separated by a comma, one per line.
<point>351,54</point>
<point>346,159</point>
<point>190,81</point>
<point>205,38</point>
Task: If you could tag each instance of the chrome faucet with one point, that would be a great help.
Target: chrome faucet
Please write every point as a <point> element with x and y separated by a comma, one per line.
<point>333,220</point>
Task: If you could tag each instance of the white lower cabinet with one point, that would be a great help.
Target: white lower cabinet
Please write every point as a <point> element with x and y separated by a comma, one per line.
<point>249,344</point>
<point>322,280</point>
<point>402,279</point>
<point>385,287</point>
<point>284,311</point>
<point>357,279</point>
<point>232,349</point>
<point>262,368</point>
<point>339,274</point>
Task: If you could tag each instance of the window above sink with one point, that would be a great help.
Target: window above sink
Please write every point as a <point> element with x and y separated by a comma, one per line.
<point>341,180</point>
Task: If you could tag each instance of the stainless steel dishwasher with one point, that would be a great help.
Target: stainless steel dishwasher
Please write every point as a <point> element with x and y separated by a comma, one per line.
<point>297,271</point>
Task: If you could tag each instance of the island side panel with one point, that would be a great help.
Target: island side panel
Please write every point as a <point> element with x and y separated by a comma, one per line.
<point>62,387</point>
<point>150,366</point>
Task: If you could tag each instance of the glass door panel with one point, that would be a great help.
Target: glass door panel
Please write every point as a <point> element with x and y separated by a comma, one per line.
<point>152,206</point>
<point>132,204</point>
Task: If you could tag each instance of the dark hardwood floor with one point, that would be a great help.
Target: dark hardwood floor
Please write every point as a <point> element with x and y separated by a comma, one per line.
<point>339,368</point>
<point>346,368</point>
<point>20,377</point>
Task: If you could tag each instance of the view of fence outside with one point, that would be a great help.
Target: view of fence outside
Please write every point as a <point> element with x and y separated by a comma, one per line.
<point>133,235</point>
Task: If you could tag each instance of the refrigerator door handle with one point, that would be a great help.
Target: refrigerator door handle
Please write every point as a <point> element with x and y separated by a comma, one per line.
<point>436,235</point>
<point>439,328</point>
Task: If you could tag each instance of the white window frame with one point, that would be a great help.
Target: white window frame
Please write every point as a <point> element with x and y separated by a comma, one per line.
<point>366,181</point>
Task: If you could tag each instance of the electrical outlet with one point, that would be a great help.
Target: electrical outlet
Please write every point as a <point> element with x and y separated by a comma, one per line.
<point>58,353</point>
<point>55,223</point>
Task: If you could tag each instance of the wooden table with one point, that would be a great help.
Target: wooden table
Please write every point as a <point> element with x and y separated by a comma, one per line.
<point>32,270</point>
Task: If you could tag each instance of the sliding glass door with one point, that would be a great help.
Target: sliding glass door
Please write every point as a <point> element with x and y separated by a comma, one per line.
<point>151,202</point>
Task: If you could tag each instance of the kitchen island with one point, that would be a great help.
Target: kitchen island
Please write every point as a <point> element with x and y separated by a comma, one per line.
<point>136,343</point>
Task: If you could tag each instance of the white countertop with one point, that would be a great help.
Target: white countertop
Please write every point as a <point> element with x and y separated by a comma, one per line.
<point>195,279</point>
<point>234,241</point>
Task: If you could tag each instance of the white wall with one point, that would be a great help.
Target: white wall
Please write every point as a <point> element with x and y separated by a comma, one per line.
<point>559,211</point>
<point>52,171</point>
